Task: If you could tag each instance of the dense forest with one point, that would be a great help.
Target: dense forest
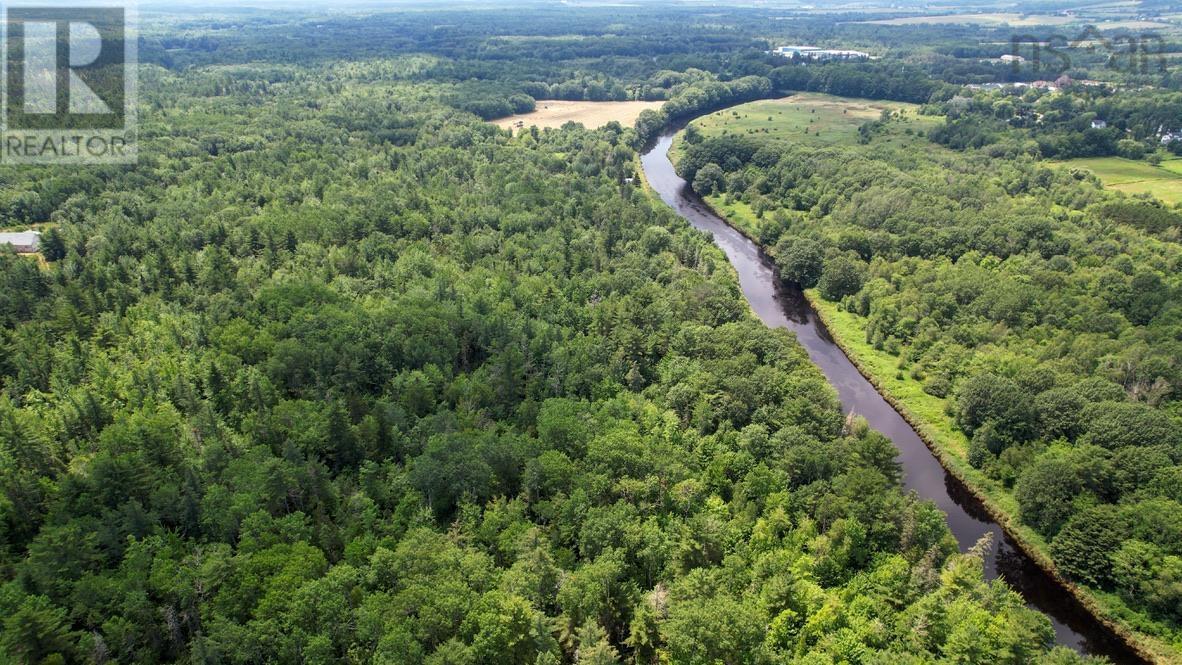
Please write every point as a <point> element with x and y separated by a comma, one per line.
<point>488,61</point>
<point>296,390</point>
<point>1043,310</point>
<point>339,372</point>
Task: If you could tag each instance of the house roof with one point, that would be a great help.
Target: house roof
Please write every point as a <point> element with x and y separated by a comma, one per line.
<point>21,238</point>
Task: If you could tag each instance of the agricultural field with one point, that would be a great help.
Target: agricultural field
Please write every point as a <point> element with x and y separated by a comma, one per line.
<point>556,113</point>
<point>1131,177</point>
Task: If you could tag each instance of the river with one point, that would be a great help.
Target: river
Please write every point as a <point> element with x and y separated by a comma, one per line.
<point>782,306</point>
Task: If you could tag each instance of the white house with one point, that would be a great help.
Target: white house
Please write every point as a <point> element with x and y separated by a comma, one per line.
<point>1170,137</point>
<point>24,242</point>
<point>1010,59</point>
<point>1099,124</point>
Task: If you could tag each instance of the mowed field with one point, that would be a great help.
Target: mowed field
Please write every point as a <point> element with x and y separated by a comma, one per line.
<point>1124,175</point>
<point>812,118</point>
<point>556,113</point>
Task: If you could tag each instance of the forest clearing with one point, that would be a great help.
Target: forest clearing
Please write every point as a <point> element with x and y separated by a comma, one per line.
<point>556,113</point>
<point>1131,177</point>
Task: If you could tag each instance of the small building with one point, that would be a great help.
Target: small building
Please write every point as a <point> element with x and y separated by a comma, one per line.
<point>24,242</point>
<point>796,51</point>
<point>1099,124</point>
<point>1011,59</point>
<point>819,54</point>
<point>1170,137</point>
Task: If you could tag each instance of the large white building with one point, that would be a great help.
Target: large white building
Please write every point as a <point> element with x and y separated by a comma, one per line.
<point>817,53</point>
<point>24,242</point>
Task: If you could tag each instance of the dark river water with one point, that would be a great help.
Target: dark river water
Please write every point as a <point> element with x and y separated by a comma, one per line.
<point>783,306</point>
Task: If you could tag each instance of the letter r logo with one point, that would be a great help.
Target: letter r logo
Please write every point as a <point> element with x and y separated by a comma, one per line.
<point>41,68</point>
<point>66,68</point>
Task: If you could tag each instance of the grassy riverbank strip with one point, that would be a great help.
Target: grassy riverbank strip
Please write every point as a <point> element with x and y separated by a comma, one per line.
<point>925,413</point>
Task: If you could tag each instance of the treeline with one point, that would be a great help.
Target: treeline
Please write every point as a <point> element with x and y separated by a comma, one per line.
<point>291,392</point>
<point>701,94</point>
<point>1030,301</point>
<point>489,100</point>
<point>871,80</point>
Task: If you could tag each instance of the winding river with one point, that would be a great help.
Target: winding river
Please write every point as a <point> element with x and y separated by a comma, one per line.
<point>783,306</point>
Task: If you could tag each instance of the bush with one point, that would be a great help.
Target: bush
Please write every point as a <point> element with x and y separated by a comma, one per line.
<point>842,276</point>
<point>1083,548</point>
<point>801,261</point>
<point>709,180</point>
<point>988,398</point>
<point>1130,149</point>
<point>1115,425</point>
<point>1058,412</point>
<point>1045,493</point>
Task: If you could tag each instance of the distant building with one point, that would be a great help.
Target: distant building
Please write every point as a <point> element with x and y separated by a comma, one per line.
<point>1170,137</point>
<point>819,54</point>
<point>1011,59</point>
<point>1099,124</point>
<point>24,242</point>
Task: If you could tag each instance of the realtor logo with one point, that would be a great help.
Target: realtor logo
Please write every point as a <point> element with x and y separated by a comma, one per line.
<point>69,84</point>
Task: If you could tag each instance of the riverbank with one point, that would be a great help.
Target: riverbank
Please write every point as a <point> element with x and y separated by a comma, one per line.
<point>926,416</point>
<point>951,448</point>
<point>779,305</point>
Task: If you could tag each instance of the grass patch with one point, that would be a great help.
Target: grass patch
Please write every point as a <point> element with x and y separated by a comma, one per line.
<point>810,118</point>
<point>1131,177</point>
<point>737,213</point>
<point>851,330</point>
<point>814,119</point>
<point>1173,166</point>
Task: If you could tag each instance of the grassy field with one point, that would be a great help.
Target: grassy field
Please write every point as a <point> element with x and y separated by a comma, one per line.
<point>556,113</point>
<point>813,119</point>
<point>980,19</point>
<point>1124,175</point>
<point>1023,20</point>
